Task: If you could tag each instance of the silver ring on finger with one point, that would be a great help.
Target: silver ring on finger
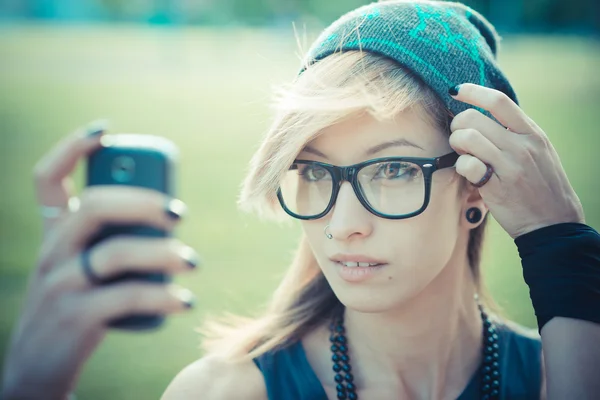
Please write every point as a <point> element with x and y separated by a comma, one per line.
<point>486,177</point>
<point>86,266</point>
<point>50,212</point>
<point>53,212</point>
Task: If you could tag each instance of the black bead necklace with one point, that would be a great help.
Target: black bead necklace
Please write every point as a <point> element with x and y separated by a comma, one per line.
<point>489,371</point>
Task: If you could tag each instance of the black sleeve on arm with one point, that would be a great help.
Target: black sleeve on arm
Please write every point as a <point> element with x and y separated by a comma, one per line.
<point>561,266</point>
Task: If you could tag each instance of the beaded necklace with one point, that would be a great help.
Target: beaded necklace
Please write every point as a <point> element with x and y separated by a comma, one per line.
<point>489,369</point>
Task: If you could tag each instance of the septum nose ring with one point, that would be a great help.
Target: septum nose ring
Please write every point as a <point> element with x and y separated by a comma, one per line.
<point>328,235</point>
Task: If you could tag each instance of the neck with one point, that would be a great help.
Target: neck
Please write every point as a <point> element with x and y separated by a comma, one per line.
<point>432,344</point>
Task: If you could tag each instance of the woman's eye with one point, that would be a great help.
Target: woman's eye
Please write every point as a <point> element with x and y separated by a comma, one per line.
<point>395,170</point>
<point>314,173</point>
<point>391,170</point>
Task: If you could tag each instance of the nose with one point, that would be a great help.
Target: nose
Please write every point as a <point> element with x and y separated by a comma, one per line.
<point>349,219</point>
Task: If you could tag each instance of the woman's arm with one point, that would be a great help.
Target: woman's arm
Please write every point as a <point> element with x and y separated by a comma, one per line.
<point>529,194</point>
<point>561,265</point>
<point>571,358</point>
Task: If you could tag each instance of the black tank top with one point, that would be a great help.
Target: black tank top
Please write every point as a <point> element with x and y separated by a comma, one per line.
<point>289,376</point>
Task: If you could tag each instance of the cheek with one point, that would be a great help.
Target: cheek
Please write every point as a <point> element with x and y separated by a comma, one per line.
<point>315,235</point>
<point>427,241</point>
<point>313,230</point>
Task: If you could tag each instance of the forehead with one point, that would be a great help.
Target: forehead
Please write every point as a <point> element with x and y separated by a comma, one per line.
<point>351,140</point>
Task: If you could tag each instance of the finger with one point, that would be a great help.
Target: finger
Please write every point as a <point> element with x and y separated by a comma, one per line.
<point>106,206</point>
<point>471,168</point>
<point>118,255</point>
<point>471,141</point>
<point>122,299</point>
<point>50,172</point>
<point>502,138</point>
<point>506,111</point>
<point>54,186</point>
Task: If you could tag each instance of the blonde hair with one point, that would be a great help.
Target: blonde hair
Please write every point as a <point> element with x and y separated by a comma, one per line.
<point>340,86</point>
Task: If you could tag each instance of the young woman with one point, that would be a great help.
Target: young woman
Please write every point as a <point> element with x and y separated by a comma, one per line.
<point>397,138</point>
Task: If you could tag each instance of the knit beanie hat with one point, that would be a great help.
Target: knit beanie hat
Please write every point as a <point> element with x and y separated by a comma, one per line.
<point>444,43</point>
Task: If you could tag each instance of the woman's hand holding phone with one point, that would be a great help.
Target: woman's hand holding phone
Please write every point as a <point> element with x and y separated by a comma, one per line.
<point>65,316</point>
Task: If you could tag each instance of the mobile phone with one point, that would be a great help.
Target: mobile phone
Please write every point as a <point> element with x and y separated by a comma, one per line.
<point>145,161</point>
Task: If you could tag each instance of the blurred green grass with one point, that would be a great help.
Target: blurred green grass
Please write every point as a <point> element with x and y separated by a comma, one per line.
<point>208,90</point>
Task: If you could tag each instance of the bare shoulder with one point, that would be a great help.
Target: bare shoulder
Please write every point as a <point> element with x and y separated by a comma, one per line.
<point>531,334</point>
<point>213,378</point>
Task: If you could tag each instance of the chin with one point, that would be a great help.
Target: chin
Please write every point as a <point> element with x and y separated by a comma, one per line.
<point>367,298</point>
<point>367,308</point>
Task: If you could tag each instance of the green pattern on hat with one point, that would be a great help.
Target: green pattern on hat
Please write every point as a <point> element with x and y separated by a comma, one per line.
<point>444,43</point>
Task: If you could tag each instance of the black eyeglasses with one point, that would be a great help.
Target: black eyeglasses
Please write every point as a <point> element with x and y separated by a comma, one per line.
<point>390,187</point>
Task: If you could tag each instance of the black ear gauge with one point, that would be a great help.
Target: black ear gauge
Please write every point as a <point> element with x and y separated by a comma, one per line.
<point>474,215</point>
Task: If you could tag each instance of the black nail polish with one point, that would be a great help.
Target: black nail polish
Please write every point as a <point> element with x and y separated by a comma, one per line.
<point>190,257</point>
<point>186,297</point>
<point>454,90</point>
<point>175,209</point>
<point>96,128</point>
<point>189,302</point>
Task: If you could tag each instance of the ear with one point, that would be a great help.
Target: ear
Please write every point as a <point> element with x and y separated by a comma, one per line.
<point>472,199</point>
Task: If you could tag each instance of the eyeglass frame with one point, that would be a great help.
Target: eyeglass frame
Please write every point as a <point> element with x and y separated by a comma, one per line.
<point>350,174</point>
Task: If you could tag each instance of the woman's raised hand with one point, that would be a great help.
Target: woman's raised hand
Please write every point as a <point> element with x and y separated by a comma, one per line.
<point>529,188</point>
<point>64,316</point>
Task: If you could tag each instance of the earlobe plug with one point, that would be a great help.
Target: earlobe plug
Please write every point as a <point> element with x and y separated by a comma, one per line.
<point>474,215</point>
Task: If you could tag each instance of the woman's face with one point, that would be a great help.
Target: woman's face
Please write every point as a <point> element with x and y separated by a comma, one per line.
<point>412,251</point>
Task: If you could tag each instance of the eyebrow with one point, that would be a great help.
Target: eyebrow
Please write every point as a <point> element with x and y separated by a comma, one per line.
<point>372,150</point>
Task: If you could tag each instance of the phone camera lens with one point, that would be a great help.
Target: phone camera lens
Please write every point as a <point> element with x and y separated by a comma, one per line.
<point>123,169</point>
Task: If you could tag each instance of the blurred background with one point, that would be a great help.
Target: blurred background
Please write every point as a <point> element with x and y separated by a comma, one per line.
<point>200,72</point>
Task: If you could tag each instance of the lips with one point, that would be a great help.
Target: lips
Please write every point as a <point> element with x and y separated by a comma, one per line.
<point>357,264</point>
<point>357,268</point>
<point>357,260</point>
